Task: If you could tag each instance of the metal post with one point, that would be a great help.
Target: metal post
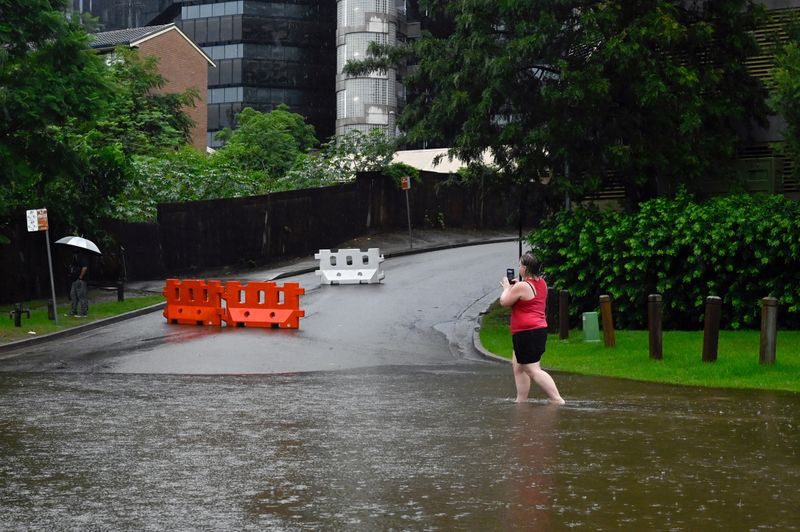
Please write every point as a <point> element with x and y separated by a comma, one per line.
<point>563,314</point>
<point>120,290</point>
<point>408,214</point>
<point>711,328</point>
<point>608,321</point>
<point>654,326</point>
<point>769,330</point>
<point>52,284</point>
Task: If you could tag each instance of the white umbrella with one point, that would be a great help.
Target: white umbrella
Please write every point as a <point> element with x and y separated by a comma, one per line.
<point>79,242</point>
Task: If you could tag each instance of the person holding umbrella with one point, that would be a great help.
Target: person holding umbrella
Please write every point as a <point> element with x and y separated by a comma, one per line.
<point>78,273</point>
<point>78,290</point>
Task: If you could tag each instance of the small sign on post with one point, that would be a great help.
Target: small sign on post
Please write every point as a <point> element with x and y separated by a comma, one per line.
<point>405,184</point>
<point>37,221</point>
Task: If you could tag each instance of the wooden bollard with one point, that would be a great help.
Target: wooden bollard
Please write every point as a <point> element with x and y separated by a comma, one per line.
<point>608,321</point>
<point>711,328</point>
<point>552,311</point>
<point>769,330</point>
<point>654,326</point>
<point>563,314</point>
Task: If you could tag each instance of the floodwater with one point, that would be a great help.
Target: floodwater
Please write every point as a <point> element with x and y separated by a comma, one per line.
<point>421,448</point>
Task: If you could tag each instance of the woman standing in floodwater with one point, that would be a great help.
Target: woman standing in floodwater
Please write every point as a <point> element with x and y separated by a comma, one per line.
<point>528,300</point>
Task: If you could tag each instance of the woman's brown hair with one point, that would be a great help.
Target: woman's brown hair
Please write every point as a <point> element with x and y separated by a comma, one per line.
<point>531,263</point>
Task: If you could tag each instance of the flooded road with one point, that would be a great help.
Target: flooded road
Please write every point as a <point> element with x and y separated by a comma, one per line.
<point>410,447</point>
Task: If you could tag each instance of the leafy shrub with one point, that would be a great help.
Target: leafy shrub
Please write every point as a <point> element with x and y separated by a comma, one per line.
<point>185,175</point>
<point>741,248</point>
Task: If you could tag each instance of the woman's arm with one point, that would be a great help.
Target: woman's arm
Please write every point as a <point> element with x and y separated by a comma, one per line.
<point>511,292</point>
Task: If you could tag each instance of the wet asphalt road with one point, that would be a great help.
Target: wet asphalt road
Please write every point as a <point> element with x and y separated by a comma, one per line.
<point>424,312</point>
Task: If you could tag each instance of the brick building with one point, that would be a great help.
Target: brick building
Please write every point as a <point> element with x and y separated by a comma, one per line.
<point>180,61</point>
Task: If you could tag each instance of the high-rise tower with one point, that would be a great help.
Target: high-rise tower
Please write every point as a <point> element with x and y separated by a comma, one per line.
<point>368,101</point>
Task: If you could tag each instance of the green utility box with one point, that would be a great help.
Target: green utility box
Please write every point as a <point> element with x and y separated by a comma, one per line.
<point>591,327</point>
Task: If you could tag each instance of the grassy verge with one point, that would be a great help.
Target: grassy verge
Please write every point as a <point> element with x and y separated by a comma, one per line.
<point>39,324</point>
<point>736,366</point>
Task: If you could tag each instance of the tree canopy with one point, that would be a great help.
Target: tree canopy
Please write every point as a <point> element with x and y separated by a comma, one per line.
<point>271,143</point>
<point>651,92</point>
<point>70,120</point>
<point>52,87</point>
<point>139,117</point>
<point>785,97</point>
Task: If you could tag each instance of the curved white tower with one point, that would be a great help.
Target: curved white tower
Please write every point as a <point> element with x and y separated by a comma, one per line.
<point>369,101</point>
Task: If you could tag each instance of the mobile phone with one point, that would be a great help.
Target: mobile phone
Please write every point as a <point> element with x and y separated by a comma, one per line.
<point>510,275</point>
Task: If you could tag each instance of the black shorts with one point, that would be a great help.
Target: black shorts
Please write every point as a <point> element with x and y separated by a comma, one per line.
<point>529,345</point>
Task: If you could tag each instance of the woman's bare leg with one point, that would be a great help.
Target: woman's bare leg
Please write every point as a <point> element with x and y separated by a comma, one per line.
<point>545,382</point>
<point>521,379</point>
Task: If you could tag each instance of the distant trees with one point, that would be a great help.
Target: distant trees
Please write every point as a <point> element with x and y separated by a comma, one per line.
<point>651,91</point>
<point>271,143</point>
<point>137,116</point>
<point>267,152</point>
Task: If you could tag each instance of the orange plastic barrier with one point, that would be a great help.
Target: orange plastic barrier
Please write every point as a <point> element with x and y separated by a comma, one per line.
<point>193,302</point>
<point>263,304</point>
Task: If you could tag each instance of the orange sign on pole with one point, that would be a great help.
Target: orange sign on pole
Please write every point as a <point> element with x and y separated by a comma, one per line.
<point>405,184</point>
<point>41,217</point>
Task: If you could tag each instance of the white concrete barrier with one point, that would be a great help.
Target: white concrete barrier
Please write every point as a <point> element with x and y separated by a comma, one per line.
<point>350,266</point>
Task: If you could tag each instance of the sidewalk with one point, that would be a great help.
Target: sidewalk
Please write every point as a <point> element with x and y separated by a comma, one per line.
<point>392,244</point>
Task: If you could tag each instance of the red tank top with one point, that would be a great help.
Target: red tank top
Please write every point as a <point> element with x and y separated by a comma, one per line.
<point>527,315</point>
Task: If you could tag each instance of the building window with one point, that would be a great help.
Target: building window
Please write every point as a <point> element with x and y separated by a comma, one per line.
<point>341,106</point>
<point>217,9</point>
<point>225,51</point>
<point>225,95</point>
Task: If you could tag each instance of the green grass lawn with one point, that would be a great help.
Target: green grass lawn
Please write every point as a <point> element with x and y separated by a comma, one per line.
<point>39,323</point>
<point>736,366</point>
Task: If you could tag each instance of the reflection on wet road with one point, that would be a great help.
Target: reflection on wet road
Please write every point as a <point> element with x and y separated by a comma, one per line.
<point>413,447</point>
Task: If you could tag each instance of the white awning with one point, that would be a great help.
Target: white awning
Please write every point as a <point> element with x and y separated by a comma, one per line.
<point>423,160</point>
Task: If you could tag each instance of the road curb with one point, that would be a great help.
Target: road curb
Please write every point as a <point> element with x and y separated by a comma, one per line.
<point>28,342</point>
<point>476,340</point>
<point>449,246</point>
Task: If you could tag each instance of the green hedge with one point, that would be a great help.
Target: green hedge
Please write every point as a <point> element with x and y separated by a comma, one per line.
<point>741,248</point>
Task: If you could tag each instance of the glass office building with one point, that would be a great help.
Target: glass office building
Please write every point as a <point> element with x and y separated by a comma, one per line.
<point>367,101</point>
<point>267,52</point>
<point>122,14</point>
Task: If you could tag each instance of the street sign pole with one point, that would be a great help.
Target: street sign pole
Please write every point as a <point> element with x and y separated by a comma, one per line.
<point>408,215</point>
<point>405,184</point>
<point>52,284</point>
<point>37,221</point>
